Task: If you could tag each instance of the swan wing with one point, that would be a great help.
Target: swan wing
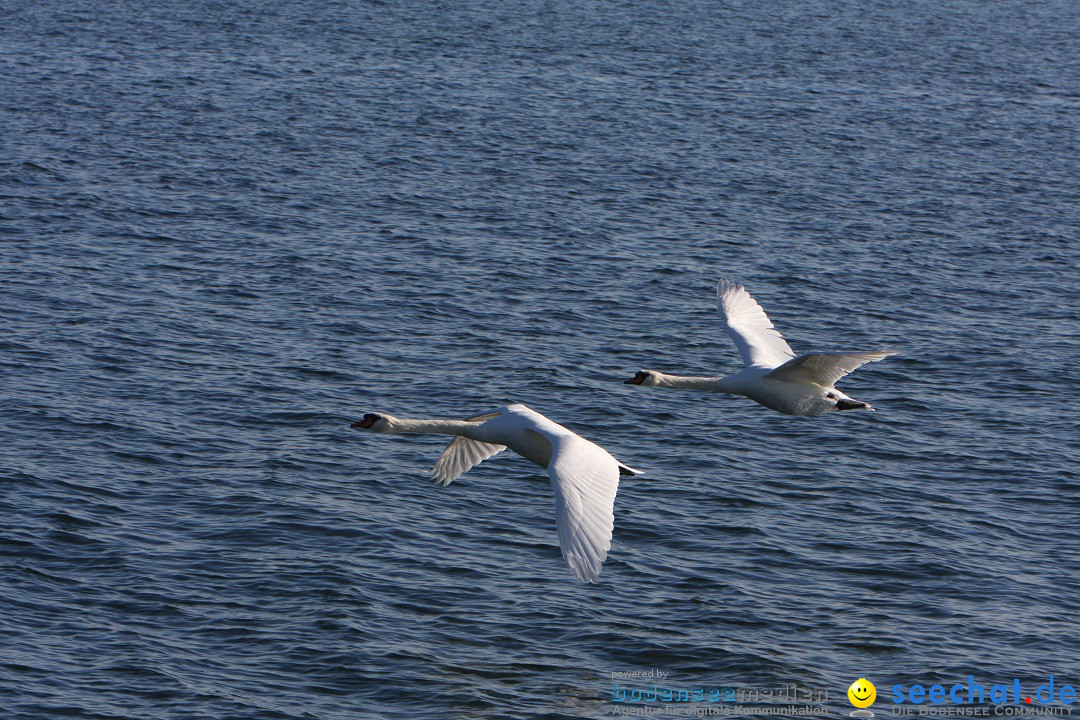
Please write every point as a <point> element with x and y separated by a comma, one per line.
<point>825,368</point>
<point>758,341</point>
<point>464,453</point>
<point>459,456</point>
<point>585,478</point>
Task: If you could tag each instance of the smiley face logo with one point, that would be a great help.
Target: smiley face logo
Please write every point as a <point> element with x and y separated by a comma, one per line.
<point>862,693</point>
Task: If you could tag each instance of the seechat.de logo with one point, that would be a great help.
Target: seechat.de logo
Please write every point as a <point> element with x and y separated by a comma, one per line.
<point>975,693</point>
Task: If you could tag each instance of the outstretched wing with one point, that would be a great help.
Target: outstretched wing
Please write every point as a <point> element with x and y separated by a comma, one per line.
<point>463,453</point>
<point>758,341</point>
<point>825,368</point>
<point>585,478</point>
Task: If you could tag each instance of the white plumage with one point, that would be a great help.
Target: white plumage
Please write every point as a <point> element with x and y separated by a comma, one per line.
<point>773,376</point>
<point>584,476</point>
<point>758,341</point>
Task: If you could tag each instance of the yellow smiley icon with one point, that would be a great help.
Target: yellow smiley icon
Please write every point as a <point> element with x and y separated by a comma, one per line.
<point>862,693</point>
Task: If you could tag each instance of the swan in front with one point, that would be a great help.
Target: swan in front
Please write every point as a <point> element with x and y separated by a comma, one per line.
<point>583,475</point>
<point>773,376</point>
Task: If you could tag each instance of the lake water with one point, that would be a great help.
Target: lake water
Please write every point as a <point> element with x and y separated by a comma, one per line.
<point>227,230</point>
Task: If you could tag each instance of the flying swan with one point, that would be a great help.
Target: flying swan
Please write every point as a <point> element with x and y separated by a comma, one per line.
<point>773,376</point>
<point>583,475</point>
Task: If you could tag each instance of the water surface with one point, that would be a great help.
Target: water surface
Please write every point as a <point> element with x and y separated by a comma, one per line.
<point>230,229</point>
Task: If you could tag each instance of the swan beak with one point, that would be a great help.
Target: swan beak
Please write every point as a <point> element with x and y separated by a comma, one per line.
<point>851,405</point>
<point>367,422</point>
<point>636,380</point>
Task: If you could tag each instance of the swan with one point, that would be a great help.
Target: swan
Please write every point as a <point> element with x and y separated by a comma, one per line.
<point>773,376</point>
<point>583,475</point>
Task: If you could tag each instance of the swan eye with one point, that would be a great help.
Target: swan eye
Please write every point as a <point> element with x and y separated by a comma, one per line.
<point>830,396</point>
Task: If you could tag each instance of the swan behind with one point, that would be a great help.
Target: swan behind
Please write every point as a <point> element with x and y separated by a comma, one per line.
<point>773,376</point>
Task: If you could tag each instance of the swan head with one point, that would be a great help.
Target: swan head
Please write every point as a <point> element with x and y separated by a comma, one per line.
<point>648,378</point>
<point>836,400</point>
<point>374,422</point>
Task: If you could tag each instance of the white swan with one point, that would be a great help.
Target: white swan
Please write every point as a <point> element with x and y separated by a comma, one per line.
<point>773,376</point>
<point>583,475</point>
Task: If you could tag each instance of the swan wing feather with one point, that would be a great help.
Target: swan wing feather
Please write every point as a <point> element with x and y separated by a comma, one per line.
<point>825,368</point>
<point>464,453</point>
<point>584,478</point>
<point>759,343</point>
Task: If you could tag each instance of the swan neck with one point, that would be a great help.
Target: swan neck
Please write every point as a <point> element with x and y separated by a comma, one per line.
<point>689,382</point>
<point>442,427</point>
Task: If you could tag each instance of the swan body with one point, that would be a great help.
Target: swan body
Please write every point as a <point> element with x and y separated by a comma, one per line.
<point>584,476</point>
<point>773,375</point>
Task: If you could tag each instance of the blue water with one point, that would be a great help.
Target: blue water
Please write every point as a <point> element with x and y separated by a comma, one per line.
<point>227,230</point>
